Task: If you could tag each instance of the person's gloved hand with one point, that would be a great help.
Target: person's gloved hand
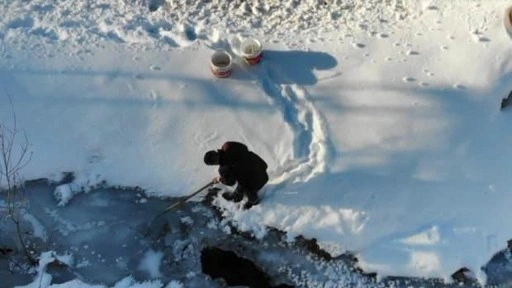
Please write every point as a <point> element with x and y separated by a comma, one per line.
<point>216,180</point>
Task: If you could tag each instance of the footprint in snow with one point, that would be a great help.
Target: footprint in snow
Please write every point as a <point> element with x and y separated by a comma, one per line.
<point>426,71</point>
<point>156,99</point>
<point>412,53</point>
<point>409,79</point>
<point>477,36</point>
<point>189,33</point>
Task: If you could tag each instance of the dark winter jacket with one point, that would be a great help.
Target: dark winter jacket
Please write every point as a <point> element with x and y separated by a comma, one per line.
<point>238,164</point>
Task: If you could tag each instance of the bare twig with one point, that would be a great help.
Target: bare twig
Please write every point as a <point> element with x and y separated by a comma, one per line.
<point>10,168</point>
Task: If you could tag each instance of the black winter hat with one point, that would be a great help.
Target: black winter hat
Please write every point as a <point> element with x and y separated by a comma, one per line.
<point>211,157</point>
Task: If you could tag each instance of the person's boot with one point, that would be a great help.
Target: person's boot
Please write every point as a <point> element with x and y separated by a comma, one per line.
<point>232,196</point>
<point>252,200</point>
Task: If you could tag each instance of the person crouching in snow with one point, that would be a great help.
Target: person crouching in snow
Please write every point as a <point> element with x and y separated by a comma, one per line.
<point>239,165</point>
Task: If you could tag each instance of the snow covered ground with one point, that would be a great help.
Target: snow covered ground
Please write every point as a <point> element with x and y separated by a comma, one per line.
<point>380,120</point>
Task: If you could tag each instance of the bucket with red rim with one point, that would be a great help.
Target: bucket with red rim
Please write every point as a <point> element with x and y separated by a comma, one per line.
<point>221,64</point>
<point>508,21</point>
<point>251,51</point>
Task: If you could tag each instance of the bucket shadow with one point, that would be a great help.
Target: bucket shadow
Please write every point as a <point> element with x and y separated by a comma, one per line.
<point>287,67</point>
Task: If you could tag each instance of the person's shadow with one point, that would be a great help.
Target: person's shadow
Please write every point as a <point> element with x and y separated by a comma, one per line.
<point>287,66</point>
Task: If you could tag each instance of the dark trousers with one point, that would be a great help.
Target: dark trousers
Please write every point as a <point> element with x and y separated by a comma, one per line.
<point>251,194</point>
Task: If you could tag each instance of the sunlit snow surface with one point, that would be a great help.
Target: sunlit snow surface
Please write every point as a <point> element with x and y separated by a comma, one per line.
<point>379,120</point>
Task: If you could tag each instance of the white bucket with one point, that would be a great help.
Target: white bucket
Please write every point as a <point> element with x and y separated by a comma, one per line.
<point>250,49</point>
<point>221,63</point>
<point>235,42</point>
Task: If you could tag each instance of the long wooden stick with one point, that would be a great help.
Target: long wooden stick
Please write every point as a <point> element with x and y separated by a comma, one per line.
<point>181,201</point>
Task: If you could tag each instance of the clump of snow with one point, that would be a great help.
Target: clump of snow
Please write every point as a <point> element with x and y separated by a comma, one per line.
<point>65,259</point>
<point>428,237</point>
<point>65,192</point>
<point>187,220</point>
<point>43,279</point>
<point>151,262</point>
<point>427,262</point>
<point>243,220</point>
